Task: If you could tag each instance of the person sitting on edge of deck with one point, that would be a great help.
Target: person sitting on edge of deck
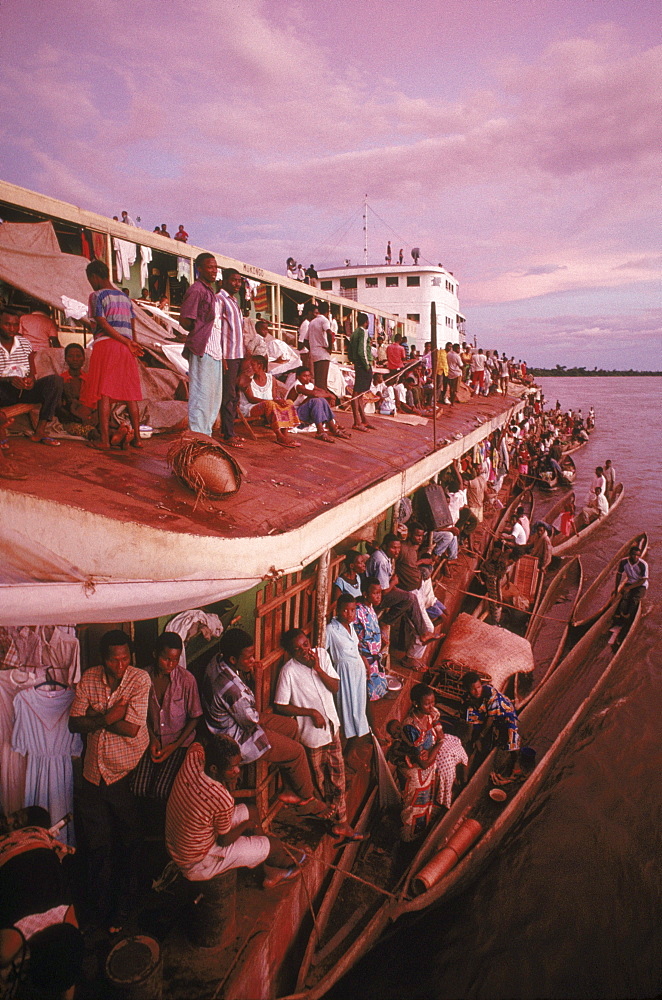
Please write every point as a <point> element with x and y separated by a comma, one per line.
<point>206,833</point>
<point>350,580</point>
<point>635,570</point>
<point>540,546</point>
<point>466,524</point>
<point>381,565</point>
<point>307,686</point>
<point>312,406</point>
<point>77,420</point>
<point>229,708</point>
<point>485,705</point>
<point>257,398</point>
<point>385,395</point>
<point>18,382</point>
<point>342,645</point>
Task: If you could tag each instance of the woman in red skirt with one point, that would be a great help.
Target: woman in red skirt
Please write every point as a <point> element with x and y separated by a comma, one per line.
<point>113,373</point>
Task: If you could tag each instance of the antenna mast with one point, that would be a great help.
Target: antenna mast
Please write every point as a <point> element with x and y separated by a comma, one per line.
<point>365,230</point>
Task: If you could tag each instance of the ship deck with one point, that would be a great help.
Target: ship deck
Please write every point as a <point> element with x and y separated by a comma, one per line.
<point>281,490</point>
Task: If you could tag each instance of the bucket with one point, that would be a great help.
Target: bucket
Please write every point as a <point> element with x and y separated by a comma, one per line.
<point>442,862</point>
<point>134,969</point>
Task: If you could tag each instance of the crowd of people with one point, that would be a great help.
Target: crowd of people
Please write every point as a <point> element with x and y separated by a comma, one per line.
<point>228,357</point>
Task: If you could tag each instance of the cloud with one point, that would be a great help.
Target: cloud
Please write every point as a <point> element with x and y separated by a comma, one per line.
<point>544,269</point>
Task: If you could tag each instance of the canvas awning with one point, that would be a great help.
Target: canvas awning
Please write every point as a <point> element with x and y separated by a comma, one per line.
<point>31,260</point>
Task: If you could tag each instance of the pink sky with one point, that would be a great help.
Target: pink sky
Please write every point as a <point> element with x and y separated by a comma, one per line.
<point>515,141</point>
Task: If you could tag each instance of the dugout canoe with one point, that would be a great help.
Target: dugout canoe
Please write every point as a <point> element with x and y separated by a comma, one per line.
<point>524,499</point>
<point>549,627</point>
<point>593,602</point>
<point>562,544</point>
<point>551,480</point>
<point>548,722</point>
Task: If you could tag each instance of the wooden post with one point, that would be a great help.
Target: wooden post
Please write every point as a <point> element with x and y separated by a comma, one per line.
<point>322,597</point>
<point>433,342</point>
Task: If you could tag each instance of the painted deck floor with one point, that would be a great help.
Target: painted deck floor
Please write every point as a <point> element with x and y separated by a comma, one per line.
<point>281,489</point>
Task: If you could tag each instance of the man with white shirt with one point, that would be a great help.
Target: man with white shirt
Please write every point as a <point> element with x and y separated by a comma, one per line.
<point>478,370</point>
<point>598,480</point>
<point>307,686</point>
<point>232,341</point>
<point>18,383</point>
<point>596,508</point>
<point>309,313</point>
<point>320,345</point>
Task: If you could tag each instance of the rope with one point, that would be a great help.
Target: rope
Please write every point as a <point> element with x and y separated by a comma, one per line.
<point>357,878</point>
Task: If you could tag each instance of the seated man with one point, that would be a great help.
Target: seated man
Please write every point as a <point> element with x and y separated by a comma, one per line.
<point>206,833</point>
<point>466,524</point>
<point>541,546</point>
<point>635,570</point>
<point>18,382</point>
<point>312,406</point>
<point>307,685</point>
<point>36,907</point>
<point>484,706</point>
<point>385,395</point>
<point>596,508</point>
<point>76,419</point>
<point>229,708</point>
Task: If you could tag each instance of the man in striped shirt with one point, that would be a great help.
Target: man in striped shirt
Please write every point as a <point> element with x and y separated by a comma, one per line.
<point>206,833</point>
<point>18,383</point>
<point>232,339</point>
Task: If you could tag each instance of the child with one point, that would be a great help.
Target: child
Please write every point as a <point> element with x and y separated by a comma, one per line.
<point>113,373</point>
<point>385,393</point>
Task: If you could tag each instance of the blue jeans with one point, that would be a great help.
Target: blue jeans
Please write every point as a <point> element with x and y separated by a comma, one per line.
<point>445,541</point>
<point>205,392</point>
<point>314,411</point>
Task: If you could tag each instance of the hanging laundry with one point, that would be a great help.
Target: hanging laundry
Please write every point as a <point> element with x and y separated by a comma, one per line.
<point>125,256</point>
<point>99,246</point>
<point>191,623</point>
<point>145,260</point>
<point>251,288</point>
<point>86,244</point>
<point>41,731</point>
<point>262,299</point>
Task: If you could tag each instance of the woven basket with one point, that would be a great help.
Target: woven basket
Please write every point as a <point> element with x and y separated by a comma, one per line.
<point>206,468</point>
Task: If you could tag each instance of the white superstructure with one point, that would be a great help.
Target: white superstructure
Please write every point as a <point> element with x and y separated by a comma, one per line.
<point>407,291</point>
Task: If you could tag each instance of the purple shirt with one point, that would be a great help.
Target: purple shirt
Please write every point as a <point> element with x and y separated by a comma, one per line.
<point>181,702</point>
<point>199,304</point>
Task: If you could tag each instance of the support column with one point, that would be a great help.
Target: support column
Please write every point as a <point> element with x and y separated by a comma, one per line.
<point>323,564</point>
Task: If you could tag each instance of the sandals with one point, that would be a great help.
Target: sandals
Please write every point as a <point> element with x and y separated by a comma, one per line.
<point>282,875</point>
<point>325,437</point>
<point>342,434</point>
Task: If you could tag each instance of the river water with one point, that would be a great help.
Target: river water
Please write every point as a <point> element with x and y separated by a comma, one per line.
<point>570,905</point>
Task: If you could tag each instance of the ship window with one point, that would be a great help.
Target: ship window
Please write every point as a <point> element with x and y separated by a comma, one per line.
<point>391,281</point>
<point>348,283</point>
<point>371,282</point>
<point>415,316</point>
<point>413,281</point>
<point>326,286</point>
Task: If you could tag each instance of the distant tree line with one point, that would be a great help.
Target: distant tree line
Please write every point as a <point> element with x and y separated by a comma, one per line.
<point>584,372</point>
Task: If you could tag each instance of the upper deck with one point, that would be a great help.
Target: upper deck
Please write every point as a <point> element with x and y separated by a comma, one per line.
<point>124,516</point>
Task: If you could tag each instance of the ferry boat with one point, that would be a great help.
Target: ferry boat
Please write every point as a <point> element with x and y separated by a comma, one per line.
<point>114,539</point>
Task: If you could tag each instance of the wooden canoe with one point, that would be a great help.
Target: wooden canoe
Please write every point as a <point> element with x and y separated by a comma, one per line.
<point>573,448</point>
<point>524,499</point>
<point>551,481</point>
<point>549,627</point>
<point>562,544</point>
<point>561,705</point>
<point>593,602</point>
<point>547,722</point>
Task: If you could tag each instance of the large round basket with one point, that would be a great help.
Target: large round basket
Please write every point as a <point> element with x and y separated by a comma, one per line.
<point>205,467</point>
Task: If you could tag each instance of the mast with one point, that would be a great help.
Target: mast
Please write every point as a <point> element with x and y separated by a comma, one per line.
<point>433,345</point>
<point>365,230</point>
